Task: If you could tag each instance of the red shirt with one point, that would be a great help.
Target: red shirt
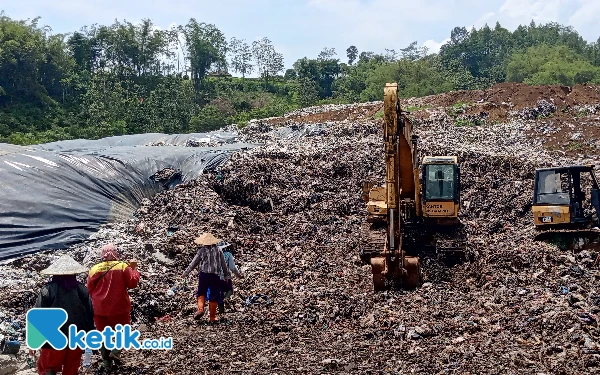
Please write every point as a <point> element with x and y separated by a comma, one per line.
<point>108,283</point>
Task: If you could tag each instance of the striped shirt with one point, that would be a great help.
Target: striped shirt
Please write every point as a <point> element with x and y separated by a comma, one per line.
<point>209,260</point>
<point>230,261</point>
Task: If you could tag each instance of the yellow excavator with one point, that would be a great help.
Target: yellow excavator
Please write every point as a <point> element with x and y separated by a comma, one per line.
<point>561,206</point>
<point>415,210</point>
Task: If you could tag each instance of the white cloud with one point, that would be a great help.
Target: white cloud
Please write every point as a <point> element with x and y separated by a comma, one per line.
<point>585,18</point>
<point>433,46</point>
<point>379,24</point>
<point>516,12</point>
<point>481,21</point>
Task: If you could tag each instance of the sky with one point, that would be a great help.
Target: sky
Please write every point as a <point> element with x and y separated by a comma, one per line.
<point>302,28</point>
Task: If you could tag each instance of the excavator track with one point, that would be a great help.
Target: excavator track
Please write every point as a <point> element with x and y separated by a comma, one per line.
<point>447,244</point>
<point>451,245</point>
<point>373,238</point>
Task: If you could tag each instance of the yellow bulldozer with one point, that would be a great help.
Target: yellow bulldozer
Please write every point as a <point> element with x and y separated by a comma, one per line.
<point>416,209</point>
<point>561,207</point>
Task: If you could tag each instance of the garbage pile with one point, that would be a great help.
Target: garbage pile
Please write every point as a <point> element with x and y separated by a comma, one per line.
<point>293,211</point>
<point>542,109</point>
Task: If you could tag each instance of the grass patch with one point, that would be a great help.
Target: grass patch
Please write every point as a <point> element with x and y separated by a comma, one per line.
<point>379,114</point>
<point>416,108</point>
<point>575,146</point>
<point>541,117</point>
<point>465,122</point>
<point>457,109</point>
<point>580,146</point>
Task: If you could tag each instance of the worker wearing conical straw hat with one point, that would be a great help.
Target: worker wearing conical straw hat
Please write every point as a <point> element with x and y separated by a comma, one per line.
<point>210,262</point>
<point>65,292</point>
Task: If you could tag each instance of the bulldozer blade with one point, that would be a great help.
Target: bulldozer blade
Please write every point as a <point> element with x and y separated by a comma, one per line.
<point>549,235</point>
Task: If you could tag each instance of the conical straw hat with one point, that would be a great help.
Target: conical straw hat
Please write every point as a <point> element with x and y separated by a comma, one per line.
<point>65,265</point>
<point>206,239</point>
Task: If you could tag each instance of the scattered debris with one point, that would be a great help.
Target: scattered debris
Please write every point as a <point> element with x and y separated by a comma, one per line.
<point>542,109</point>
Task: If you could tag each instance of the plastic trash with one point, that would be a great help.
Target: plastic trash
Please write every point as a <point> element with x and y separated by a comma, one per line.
<point>8,329</point>
<point>87,358</point>
<point>10,346</point>
<point>31,360</point>
<point>259,299</point>
<point>16,324</point>
<point>172,229</point>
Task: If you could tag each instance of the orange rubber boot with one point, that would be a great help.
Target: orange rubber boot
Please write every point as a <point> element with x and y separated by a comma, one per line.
<point>200,313</point>
<point>212,309</point>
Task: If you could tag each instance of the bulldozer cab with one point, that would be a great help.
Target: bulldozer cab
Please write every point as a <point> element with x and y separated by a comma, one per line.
<point>559,199</point>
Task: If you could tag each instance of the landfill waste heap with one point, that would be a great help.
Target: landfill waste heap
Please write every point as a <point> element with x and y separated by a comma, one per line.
<point>292,208</point>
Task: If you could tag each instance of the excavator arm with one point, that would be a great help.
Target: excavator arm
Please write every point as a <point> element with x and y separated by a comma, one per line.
<point>400,193</point>
<point>398,212</point>
<point>399,161</point>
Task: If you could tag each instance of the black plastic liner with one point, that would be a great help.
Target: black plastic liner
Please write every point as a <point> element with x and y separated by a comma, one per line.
<point>57,194</point>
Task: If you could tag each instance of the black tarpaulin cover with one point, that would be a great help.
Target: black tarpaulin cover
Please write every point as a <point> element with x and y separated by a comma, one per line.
<point>56,194</point>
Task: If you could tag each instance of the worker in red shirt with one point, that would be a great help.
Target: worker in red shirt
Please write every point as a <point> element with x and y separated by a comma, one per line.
<point>108,283</point>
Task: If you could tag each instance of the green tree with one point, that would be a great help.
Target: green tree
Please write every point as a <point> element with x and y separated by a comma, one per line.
<point>57,71</point>
<point>307,92</point>
<point>22,52</point>
<point>352,54</point>
<point>268,61</point>
<point>241,56</point>
<point>328,70</point>
<point>593,52</point>
<point>541,65</point>
<point>209,118</point>
<point>290,74</point>
<point>322,71</point>
<point>206,49</point>
<point>411,52</point>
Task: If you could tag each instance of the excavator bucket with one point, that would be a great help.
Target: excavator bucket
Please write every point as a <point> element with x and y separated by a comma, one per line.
<point>413,276</point>
<point>404,272</point>
<point>379,270</point>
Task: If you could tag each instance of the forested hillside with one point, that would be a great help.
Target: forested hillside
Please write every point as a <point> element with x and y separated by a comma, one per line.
<point>131,78</point>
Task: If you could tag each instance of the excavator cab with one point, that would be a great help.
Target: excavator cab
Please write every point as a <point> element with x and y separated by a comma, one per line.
<point>559,200</point>
<point>440,188</point>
